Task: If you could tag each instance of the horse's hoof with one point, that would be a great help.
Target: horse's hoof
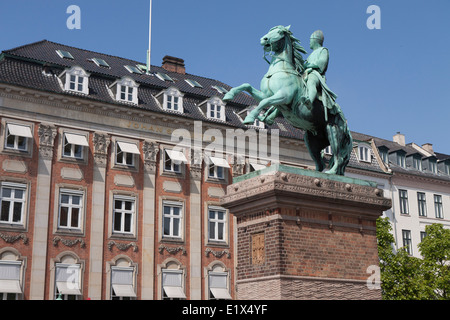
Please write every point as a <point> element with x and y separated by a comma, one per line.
<point>228,97</point>
<point>249,120</point>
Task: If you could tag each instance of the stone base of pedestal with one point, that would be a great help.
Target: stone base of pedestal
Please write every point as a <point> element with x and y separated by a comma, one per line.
<point>305,235</point>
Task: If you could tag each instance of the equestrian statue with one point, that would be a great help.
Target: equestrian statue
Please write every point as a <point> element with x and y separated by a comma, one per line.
<point>296,90</point>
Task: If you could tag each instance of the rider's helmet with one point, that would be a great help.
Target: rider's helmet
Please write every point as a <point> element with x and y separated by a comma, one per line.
<point>318,35</point>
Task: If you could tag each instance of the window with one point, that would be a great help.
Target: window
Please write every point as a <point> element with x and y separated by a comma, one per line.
<point>10,286</point>
<point>74,145</point>
<point>76,80</point>
<point>100,62</point>
<point>447,168</point>
<point>438,206</point>
<point>12,200</point>
<point>217,168</point>
<point>64,54</point>
<point>403,195</point>
<point>407,243</point>
<point>125,153</point>
<point>218,286</point>
<point>422,204</point>
<point>401,160</point>
<point>122,283</point>
<point>67,281</point>
<point>423,234</point>
<point>383,154</point>
<point>171,99</point>
<point>220,89</point>
<point>172,219</point>
<point>70,209</point>
<point>432,166</point>
<point>172,285</point>
<point>364,153</point>
<point>164,77</point>
<point>17,137</point>
<point>217,221</point>
<point>133,69</point>
<point>125,90</point>
<point>173,160</point>
<point>124,214</point>
<point>417,163</point>
<point>173,103</point>
<point>215,109</point>
<point>193,83</point>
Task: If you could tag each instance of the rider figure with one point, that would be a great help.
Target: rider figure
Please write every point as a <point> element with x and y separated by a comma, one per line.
<point>318,62</point>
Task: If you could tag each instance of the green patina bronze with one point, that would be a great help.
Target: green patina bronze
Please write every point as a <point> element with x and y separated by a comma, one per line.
<point>296,90</point>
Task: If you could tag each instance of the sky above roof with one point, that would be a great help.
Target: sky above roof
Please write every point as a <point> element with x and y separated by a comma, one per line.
<point>388,80</point>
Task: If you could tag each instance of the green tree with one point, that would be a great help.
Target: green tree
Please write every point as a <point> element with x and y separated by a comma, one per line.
<point>404,277</point>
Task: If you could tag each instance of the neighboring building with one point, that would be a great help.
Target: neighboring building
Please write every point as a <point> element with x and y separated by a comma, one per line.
<point>98,201</point>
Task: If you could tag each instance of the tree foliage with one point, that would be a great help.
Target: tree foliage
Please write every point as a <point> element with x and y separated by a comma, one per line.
<point>404,277</point>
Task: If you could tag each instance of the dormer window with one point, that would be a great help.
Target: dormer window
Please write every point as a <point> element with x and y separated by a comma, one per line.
<point>125,90</point>
<point>417,163</point>
<point>383,151</point>
<point>171,99</point>
<point>213,108</point>
<point>401,159</point>
<point>76,80</point>
<point>364,153</point>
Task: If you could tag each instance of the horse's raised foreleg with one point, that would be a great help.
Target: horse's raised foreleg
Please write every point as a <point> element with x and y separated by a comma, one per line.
<point>255,93</point>
<point>281,97</point>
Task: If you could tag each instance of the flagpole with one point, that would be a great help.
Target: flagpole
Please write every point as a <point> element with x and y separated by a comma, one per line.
<point>149,40</point>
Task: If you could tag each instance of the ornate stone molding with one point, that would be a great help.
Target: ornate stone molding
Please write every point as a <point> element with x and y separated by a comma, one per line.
<point>69,242</point>
<point>172,250</point>
<point>11,239</point>
<point>47,134</point>
<point>238,165</point>
<point>122,246</point>
<point>101,144</point>
<point>217,254</point>
<point>150,149</point>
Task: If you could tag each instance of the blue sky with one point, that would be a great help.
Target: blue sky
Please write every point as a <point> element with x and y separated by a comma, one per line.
<point>387,80</point>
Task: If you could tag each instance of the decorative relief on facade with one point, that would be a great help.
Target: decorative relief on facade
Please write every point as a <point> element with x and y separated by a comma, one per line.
<point>217,254</point>
<point>196,164</point>
<point>101,144</point>
<point>258,249</point>
<point>122,246</point>
<point>69,242</point>
<point>150,150</point>
<point>11,239</point>
<point>171,250</point>
<point>47,134</point>
<point>238,165</point>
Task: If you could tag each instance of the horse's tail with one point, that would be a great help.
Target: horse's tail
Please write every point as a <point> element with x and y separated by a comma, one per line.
<point>345,143</point>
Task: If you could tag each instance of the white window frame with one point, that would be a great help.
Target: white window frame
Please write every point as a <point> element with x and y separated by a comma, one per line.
<point>218,291</point>
<point>74,146</point>
<point>125,284</point>
<point>126,155</point>
<point>364,153</point>
<point>174,233</point>
<point>123,212</point>
<point>438,206</point>
<point>122,88</point>
<point>403,200</point>
<point>176,291</point>
<point>12,201</point>
<point>25,135</point>
<point>212,106</point>
<point>169,100</point>
<point>79,78</point>
<point>73,281</point>
<point>70,206</point>
<point>11,278</point>
<point>216,172</point>
<point>215,224</point>
<point>173,161</point>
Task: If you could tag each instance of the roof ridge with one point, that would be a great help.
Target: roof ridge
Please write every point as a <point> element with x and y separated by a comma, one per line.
<point>25,45</point>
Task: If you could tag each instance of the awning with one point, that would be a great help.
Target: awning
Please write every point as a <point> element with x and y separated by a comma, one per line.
<point>174,292</point>
<point>77,139</point>
<point>257,166</point>
<point>219,162</point>
<point>128,147</point>
<point>18,130</point>
<point>10,286</point>
<point>124,290</point>
<point>176,156</point>
<point>67,287</point>
<point>220,293</point>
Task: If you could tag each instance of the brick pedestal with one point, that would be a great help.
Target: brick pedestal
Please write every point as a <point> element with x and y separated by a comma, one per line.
<point>304,234</point>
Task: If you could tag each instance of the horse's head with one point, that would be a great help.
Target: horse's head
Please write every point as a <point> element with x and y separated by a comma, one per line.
<point>271,41</point>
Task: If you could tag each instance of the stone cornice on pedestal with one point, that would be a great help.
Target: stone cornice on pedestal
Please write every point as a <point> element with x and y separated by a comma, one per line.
<point>282,186</point>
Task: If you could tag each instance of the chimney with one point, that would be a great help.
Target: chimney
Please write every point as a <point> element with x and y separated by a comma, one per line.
<point>173,64</point>
<point>428,147</point>
<point>400,139</point>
